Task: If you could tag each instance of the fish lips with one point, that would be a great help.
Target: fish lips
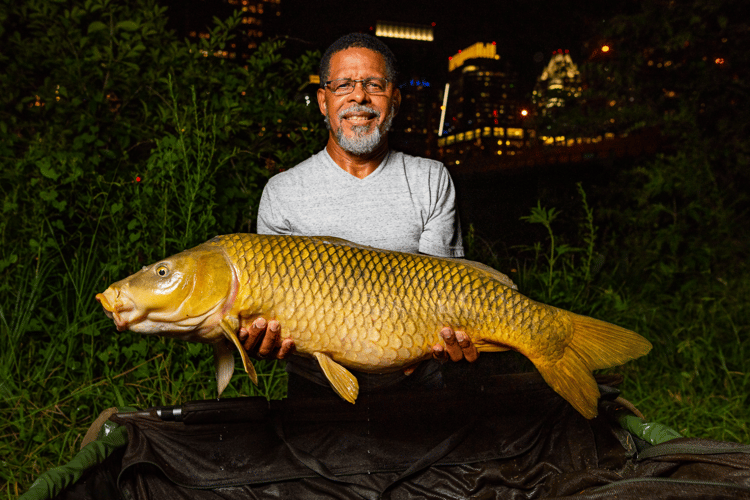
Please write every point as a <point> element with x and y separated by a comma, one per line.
<point>113,311</point>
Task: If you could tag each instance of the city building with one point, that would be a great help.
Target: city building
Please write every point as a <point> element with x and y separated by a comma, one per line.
<point>558,85</point>
<point>260,20</point>
<point>483,114</point>
<point>414,130</point>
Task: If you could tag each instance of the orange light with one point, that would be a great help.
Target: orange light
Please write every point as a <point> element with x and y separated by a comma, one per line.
<point>719,60</point>
<point>605,48</point>
<point>524,112</point>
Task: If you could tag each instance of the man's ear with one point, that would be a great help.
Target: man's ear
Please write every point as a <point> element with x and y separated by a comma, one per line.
<point>396,100</point>
<point>322,101</point>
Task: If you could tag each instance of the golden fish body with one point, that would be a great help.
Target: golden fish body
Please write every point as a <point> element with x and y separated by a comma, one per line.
<point>357,307</point>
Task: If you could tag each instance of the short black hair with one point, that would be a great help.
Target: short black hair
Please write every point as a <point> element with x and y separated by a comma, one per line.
<point>358,40</point>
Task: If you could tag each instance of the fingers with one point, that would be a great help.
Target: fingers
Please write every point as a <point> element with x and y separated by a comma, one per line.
<point>287,346</point>
<point>451,344</point>
<point>271,339</point>
<point>249,335</point>
<point>468,348</point>
<point>458,346</point>
<point>262,339</point>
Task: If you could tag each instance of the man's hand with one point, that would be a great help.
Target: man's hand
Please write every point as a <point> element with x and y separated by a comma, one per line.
<point>262,339</point>
<point>458,346</point>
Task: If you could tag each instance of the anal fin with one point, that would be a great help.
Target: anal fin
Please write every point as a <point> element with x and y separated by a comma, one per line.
<point>342,381</point>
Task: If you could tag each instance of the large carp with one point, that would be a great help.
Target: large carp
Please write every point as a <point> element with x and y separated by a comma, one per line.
<point>351,306</point>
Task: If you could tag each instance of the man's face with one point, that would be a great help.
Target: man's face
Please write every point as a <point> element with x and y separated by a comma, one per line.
<point>358,121</point>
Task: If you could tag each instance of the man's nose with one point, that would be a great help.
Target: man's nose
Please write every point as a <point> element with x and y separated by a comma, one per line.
<point>359,94</point>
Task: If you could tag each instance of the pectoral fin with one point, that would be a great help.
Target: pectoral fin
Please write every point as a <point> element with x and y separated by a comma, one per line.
<point>343,382</point>
<point>224,360</point>
<point>230,326</point>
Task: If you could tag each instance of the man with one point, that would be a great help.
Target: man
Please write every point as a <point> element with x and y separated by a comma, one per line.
<point>360,190</point>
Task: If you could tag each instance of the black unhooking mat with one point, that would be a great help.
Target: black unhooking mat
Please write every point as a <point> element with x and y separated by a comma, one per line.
<point>515,439</point>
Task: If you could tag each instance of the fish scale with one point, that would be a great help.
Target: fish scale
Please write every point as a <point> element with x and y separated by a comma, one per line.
<point>355,307</point>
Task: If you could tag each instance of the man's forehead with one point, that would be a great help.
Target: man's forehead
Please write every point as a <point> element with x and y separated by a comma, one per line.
<point>358,58</point>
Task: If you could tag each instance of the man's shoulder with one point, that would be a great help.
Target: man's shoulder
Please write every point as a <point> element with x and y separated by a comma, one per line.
<point>294,175</point>
<point>420,167</point>
<point>416,161</point>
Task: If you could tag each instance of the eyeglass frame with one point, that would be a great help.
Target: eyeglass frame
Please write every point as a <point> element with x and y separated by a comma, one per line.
<point>362,81</point>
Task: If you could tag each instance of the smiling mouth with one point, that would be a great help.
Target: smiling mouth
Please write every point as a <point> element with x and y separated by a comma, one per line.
<point>359,119</point>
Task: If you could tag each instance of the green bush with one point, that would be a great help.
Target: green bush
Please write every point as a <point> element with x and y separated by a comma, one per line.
<point>119,145</point>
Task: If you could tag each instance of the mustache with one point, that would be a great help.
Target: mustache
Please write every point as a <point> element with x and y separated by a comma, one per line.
<point>357,108</point>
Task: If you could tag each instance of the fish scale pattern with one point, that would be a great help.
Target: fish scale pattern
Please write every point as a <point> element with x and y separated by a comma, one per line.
<point>367,309</point>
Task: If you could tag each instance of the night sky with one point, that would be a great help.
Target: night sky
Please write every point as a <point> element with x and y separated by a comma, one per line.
<point>526,31</point>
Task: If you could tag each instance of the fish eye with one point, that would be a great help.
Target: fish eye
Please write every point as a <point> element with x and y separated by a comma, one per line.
<point>162,271</point>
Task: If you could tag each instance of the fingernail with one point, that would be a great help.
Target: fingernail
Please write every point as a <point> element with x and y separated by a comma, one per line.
<point>460,336</point>
<point>446,334</point>
<point>260,323</point>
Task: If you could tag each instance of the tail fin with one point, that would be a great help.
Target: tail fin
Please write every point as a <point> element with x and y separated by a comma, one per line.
<point>594,345</point>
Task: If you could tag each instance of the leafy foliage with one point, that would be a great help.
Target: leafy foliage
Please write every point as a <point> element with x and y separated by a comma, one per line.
<point>120,144</point>
<point>671,238</point>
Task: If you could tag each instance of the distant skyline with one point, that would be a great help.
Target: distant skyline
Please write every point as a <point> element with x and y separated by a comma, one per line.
<point>527,32</point>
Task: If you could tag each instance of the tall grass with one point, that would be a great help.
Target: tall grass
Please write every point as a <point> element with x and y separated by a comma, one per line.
<point>697,377</point>
<point>61,360</point>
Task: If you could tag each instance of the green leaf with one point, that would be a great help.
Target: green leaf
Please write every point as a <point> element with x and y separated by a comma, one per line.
<point>49,195</point>
<point>96,26</point>
<point>46,169</point>
<point>127,25</point>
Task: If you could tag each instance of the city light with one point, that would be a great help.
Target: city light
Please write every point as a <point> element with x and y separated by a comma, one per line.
<point>605,48</point>
<point>404,30</point>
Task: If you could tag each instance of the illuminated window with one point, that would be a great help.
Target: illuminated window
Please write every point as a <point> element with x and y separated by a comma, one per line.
<point>469,135</point>
<point>460,136</point>
<point>515,132</point>
<point>486,132</point>
<point>498,132</point>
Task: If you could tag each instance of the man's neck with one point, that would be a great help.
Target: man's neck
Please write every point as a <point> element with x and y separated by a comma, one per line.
<point>359,166</point>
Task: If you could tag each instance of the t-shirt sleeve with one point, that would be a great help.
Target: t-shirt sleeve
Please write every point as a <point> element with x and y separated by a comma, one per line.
<point>271,219</point>
<point>441,235</point>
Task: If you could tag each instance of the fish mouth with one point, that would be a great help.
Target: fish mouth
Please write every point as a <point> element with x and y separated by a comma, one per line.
<point>115,307</point>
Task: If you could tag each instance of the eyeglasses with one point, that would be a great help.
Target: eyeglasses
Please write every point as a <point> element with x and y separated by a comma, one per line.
<point>344,86</point>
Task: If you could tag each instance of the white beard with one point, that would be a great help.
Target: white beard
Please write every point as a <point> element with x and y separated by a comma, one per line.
<point>364,140</point>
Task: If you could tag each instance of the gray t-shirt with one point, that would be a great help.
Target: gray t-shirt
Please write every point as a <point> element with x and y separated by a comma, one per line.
<point>407,204</point>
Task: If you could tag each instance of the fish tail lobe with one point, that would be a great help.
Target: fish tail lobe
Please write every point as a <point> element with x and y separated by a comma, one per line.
<point>594,345</point>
